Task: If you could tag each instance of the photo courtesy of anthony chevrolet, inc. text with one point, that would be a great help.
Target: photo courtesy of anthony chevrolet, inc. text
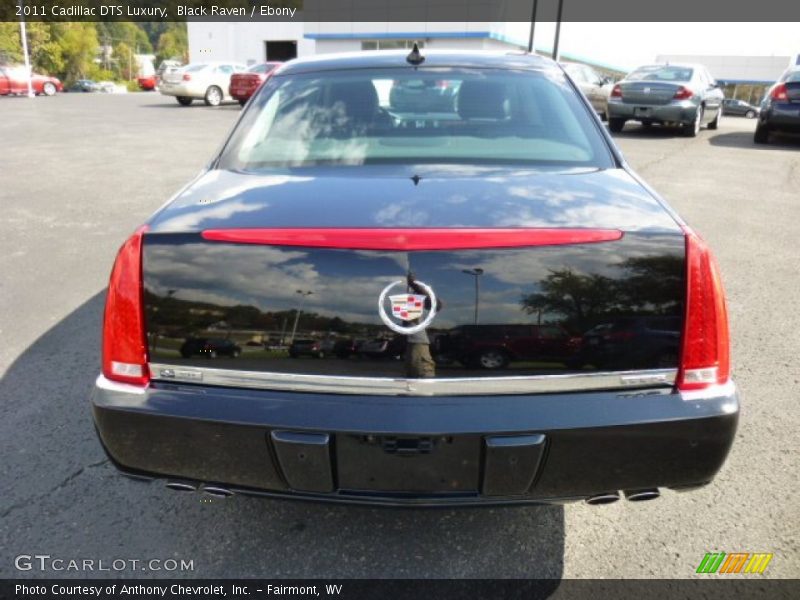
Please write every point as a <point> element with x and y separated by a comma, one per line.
<point>399,299</point>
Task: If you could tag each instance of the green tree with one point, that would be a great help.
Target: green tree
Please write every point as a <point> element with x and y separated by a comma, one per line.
<point>173,44</point>
<point>124,62</point>
<point>46,53</point>
<point>115,32</point>
<point>10,46</point>
<point>77,44</point>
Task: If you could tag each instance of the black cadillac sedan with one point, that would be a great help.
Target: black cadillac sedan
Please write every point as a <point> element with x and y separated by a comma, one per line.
<point>340,206</point>
<point>780,109</point>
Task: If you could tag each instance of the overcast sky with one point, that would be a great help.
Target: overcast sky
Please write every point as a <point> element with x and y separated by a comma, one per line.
<point>628,45</point>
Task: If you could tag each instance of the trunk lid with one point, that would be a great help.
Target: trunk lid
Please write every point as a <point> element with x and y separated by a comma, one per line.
<point>508,315</point>
<point>507,312</point>
<point>652,93</point>
<point>173,75</point>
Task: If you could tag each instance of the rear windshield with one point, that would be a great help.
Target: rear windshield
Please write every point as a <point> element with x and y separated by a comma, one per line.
<point>410,116</point>
<point>262,68</point>
<point>792,77</point>
<point>661,73</point>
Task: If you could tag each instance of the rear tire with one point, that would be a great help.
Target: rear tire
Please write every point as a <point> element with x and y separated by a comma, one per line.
<point>761,135</point>
<point>715,123</point>
<point>242,103</point>
<point>693,128</point>
<point>616,125</point>
<point>213,96</point>
<point>184,100</point>
<point>49,89</point>
<point>750,114</point>
<point>492,360</point>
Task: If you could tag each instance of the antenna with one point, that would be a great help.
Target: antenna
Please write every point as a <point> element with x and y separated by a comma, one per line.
<point>414,57</point>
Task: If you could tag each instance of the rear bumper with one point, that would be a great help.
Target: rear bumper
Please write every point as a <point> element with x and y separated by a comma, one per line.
<point>242,92</point>
<point>784,117</point>
<point>177,89</point>
<point>417,450</point>
<point>674,112</point>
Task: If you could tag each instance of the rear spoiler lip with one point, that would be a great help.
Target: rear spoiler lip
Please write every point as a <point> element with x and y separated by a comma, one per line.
<point>404,239</point>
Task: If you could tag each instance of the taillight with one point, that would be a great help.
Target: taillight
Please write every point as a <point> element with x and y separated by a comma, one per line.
<point>705,355</point>
<point>683,93</point>
<point>616,91</point>
<point>187,77</point>
<point>124,342</point>
<point>779,92</point>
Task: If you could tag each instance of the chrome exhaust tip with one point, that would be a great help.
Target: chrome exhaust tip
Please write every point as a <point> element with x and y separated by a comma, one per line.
<point>605,498</point>
<point>181,486</point>
<point>642,495</point>
<point>216,491</point>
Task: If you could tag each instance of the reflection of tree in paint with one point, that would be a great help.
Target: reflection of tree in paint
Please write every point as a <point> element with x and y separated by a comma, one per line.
<point>176,317</point>
<point>651,284</point>
<point>584,300</point>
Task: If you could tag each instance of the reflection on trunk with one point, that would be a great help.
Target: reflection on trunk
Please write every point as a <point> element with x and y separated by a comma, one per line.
<point>587,307</point>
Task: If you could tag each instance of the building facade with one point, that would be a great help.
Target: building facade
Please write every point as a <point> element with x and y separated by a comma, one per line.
<point>254,42</point>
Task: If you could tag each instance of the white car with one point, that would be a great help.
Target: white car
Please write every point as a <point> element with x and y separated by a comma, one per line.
<point>206,81</point>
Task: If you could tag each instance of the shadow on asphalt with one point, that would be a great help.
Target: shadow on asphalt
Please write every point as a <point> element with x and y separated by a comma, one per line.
<point>63,497</point>
<point>232,106</point>
<point>655,132</point>
<point>744,139</point>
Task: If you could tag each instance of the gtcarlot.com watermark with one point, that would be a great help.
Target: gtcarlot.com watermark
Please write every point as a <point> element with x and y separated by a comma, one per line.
<point>48,563</point>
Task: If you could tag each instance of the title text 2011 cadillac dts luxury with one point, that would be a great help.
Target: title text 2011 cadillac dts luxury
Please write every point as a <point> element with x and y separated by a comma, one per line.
<point>417,280</point>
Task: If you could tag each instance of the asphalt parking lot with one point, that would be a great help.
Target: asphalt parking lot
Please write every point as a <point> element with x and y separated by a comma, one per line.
<point>79,172</point>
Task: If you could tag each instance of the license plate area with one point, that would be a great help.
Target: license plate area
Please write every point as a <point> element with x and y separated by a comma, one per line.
<point>641,111</point>
<point>421,464</point>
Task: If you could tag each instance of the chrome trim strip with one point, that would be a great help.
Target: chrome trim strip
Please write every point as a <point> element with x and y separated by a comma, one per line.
<point>104,383</point>
<point>384,386</point>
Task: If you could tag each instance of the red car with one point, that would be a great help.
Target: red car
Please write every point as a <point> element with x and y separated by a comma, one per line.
<point>244,85</point>
<point>147,84</point>
<point>13,80</point>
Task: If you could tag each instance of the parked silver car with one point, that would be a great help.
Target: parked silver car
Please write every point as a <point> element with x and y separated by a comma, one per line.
<point>682,95</point>
<point>206,81</point>
<point>594,86</point>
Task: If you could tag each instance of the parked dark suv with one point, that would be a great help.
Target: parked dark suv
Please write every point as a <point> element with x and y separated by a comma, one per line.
<point>383,347</point>
<point>210,348</point>
<point>643,342</point>
<point>495,346</point>
<point>311,347</point>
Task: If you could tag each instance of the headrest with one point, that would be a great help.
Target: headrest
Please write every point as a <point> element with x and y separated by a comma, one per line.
<point>359,99</point>
<point>482,100</point>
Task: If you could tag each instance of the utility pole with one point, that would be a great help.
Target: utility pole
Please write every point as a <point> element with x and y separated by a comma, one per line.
<point>533,26</point>
<point>303,295</point>
<point>476,273</point>
<point>24,35</point>
<point>556,54</point>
